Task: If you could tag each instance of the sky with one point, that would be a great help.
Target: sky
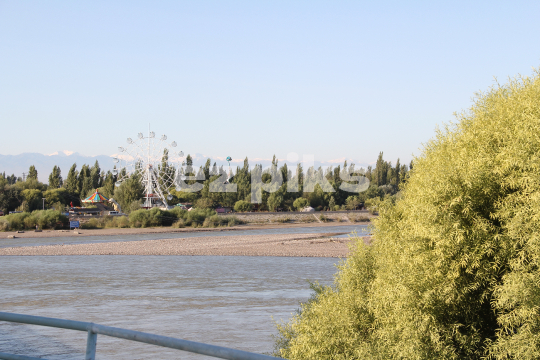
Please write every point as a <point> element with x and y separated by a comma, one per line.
<point>331,79</point>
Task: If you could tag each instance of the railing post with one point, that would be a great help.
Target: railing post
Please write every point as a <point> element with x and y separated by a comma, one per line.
<point>91,342</point>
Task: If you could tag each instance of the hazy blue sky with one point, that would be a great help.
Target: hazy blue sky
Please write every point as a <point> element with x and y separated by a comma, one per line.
<point>252,78</point>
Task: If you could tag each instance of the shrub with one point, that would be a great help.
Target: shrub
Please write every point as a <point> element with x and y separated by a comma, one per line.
<point>16,221</point>
<point>178,224</point>
<point>46,219</point>
<point>233,220</point>
<point>109,222</point>
<point>178,213</point>
<point>323,218</point>
<point>308,218</point>
<point>327,326</point>
<point>117,222</point>
<point>4,225</point>
<point>30,222</point>
<point>212,221</point>
<point>453,269</point>
<point>373,205</point>
<point>352,202</point>
<point>359,218</point>
<point>197,216</point>
<point>93,223</point>
<point>145,218</point>
<point>300,203</point>
<point>243,206</point>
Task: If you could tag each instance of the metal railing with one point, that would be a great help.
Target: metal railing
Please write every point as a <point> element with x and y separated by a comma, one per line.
<point>94,329</point>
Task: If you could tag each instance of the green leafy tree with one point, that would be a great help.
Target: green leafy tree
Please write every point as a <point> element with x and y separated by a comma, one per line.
<point>242,179</point>
<point>57,198</point>
<point>332,204</point>
<point>95,175</point>
<point>317,197</point>
<point>403,174</point>
<point>85,181</point>
<point>369,174</point>
<point>55,178</point>
<point>10,198</point>
<point>72,182</point>
<point>129,192</point>
<point>184,197</point>
<point>397,175</point>
<point>166,171</point>
<point>300,203</point>
<point>33,199</point>
<point>107,188</point>
<point>204,203</point>
<point>32,173</point>
<point>243,206</point>
<point>275,200</point>
<point>352,202</point>
<point>30,184</point>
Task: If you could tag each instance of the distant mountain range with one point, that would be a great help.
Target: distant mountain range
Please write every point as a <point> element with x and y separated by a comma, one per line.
<point>19,164</point>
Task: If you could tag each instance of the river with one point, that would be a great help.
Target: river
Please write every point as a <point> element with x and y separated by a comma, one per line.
<point>227,300</point>
<point>221,300</point>
<point>359,229</point>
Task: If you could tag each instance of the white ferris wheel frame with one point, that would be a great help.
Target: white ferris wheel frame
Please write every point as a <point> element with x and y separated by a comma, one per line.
<point>144,156</point>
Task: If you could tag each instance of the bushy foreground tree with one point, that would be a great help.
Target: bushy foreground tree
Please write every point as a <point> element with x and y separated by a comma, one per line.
<point>453,271</point>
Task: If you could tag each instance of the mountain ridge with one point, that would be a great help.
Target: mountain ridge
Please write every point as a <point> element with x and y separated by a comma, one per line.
<point>44,163</point>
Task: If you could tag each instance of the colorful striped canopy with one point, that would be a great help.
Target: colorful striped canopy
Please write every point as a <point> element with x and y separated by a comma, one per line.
<point>95,198</point>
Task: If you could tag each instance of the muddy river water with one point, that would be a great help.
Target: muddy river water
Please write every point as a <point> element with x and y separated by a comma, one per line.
<point>222,300</point>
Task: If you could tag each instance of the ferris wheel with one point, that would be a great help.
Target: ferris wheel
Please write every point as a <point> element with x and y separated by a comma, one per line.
<point>154,162</point>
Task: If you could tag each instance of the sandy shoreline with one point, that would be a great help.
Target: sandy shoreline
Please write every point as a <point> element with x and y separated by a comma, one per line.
<point>155,230</point>
<point>306,245</point>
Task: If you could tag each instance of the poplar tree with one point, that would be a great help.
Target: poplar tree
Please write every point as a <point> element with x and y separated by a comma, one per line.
<point>242,180</point>
<point>381,170</point>
<point>397,172</point>
<point>95,175</point>
<point>369,173</point>
<point>72,182</point>
<point>32,173</point>
<point>107,188</point>
<point>55,178</point>
<point>85,181</point>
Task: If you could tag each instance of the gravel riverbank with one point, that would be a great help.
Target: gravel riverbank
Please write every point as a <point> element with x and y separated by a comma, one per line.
<point>310,245</point>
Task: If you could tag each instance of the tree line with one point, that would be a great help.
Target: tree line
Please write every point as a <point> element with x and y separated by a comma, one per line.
<point>200,187</point>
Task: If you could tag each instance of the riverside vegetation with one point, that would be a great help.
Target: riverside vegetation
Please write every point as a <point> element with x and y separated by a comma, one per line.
<point>28,195</point>
<point>452,271</point>
<point>177,218</point>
